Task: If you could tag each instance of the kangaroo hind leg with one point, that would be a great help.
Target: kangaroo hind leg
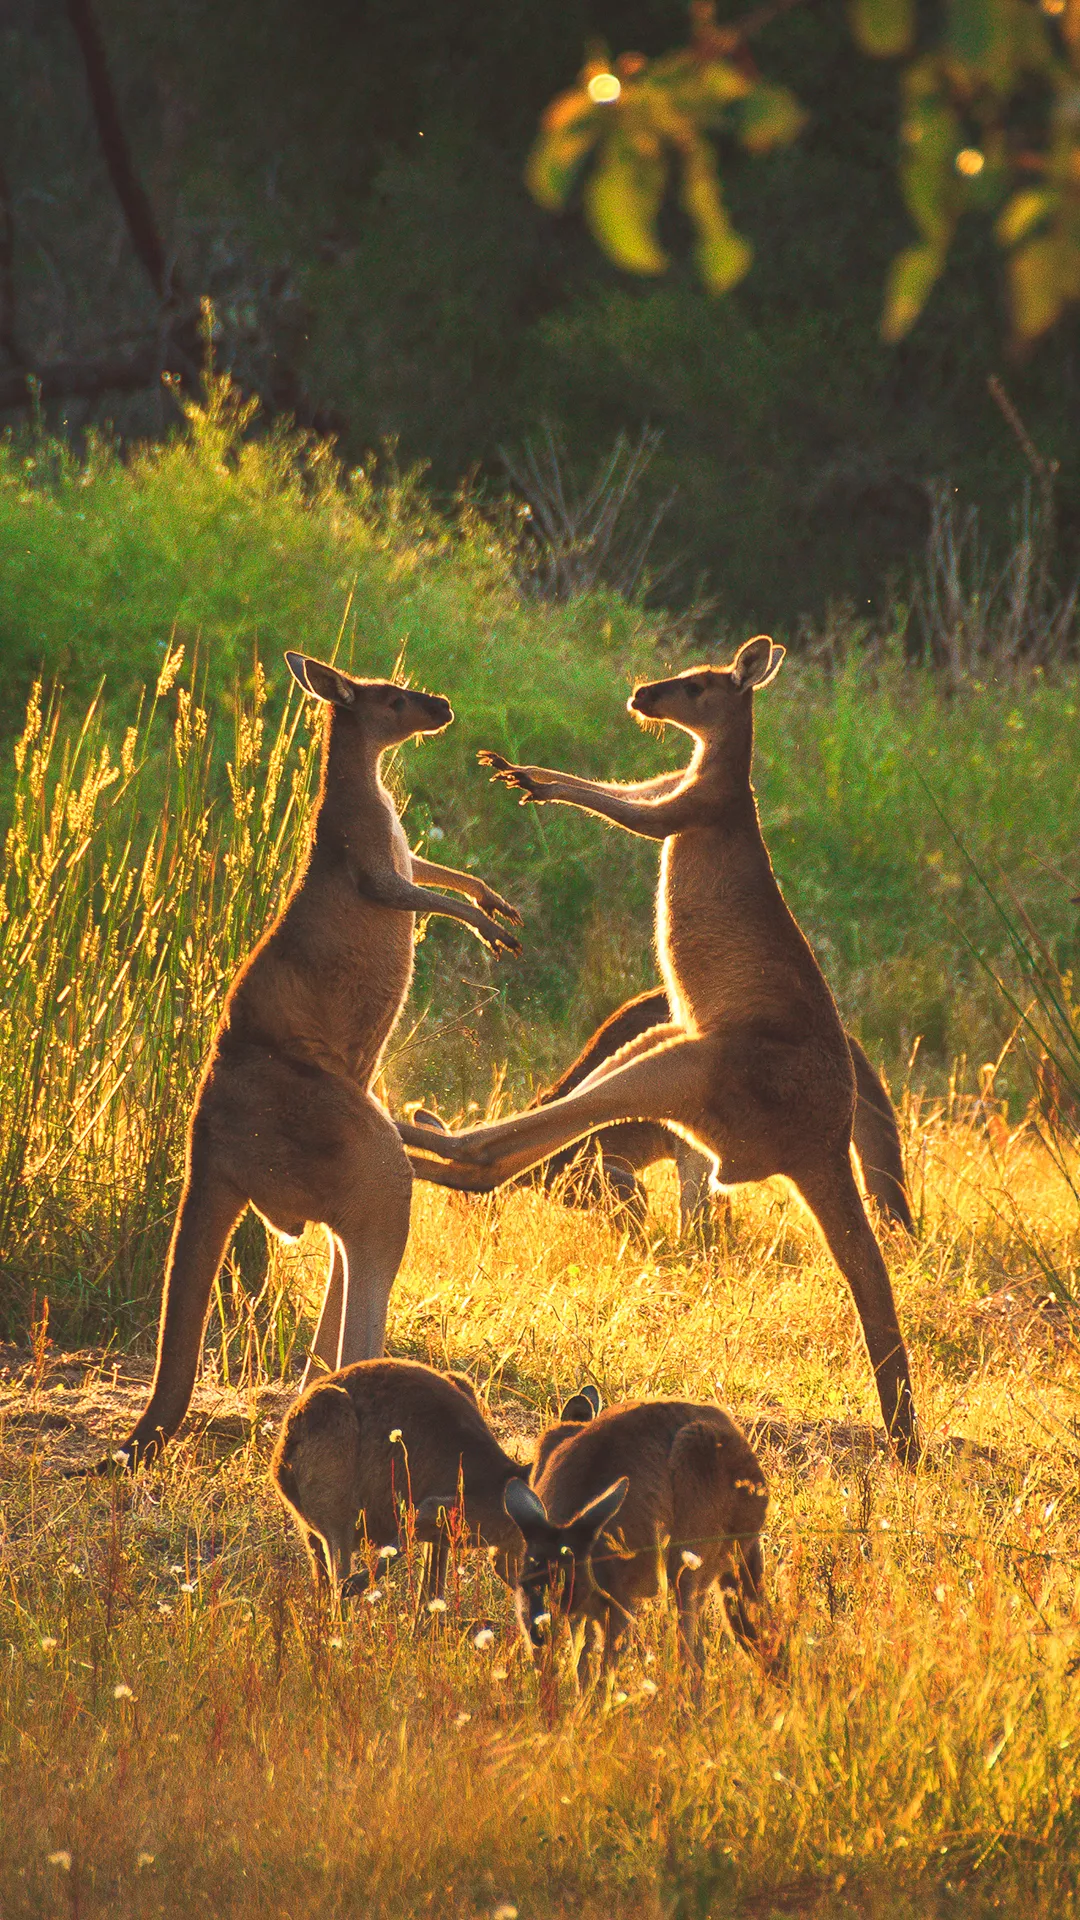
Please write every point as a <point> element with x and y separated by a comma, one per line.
<point>830,1191</point>
<point>208,1212</point>
<point>670,1083</point>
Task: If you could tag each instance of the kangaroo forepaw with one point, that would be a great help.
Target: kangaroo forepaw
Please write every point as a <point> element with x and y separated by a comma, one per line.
<point>490,902</point>
<point>499,942</point>
<point>510,776</point>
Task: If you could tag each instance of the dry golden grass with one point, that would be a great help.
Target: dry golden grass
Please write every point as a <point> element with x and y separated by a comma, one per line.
<point>185,1732</point>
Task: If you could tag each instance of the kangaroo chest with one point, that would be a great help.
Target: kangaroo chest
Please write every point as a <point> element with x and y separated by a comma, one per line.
<point>726,942</point>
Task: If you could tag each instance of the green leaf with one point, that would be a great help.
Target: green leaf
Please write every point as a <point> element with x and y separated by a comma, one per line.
<point>570,128</point>
<point>1036,294</point>
<point>722,255</point>
<point>770,116</point>
<point>1022,212</point>
<point>910,281</point>
<point>622,201</point>
<point>979,36</point>
<point>882,27</point>
<point>931,136</point>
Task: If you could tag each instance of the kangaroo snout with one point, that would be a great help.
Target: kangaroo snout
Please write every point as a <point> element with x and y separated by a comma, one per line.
<point>438,711</point>
<point>643,699</point>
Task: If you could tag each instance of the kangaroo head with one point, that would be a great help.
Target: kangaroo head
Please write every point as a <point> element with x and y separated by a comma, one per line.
<point>380,709</point>
<point>557,1557</point>
<point>710,701</point>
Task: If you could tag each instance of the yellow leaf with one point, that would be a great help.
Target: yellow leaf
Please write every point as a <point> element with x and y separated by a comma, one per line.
<point>1023,212</point>
<point>1036,295</point>
<point>907,289</point>
<point>622,200</point>
<point>722,255</point>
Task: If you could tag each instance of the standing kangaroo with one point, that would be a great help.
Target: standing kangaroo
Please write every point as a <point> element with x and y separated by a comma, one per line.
<point>754,1067</point>
<point>689,1497</point>
<point>284,1119</point>
<point>344,1477</point>
<point>627,1150</point>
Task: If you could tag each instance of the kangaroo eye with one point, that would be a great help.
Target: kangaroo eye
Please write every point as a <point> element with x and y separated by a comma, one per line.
<point>693,688</point>
<point>398,702</point>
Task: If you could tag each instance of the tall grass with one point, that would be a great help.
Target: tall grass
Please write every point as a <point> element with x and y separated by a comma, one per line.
<point>120,929</point>
<point>140,863</point>
<point>185,1731</point>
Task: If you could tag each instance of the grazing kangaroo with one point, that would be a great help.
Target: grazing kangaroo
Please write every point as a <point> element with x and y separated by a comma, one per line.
<point>284,1119</point>
<point>344,1479</point>
<point>689,1496</point>
<point>754,1068</point>
<point>621,1153</point>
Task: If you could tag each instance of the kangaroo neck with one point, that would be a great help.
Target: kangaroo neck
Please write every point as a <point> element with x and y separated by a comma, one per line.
<point>352,797</point>
<point>720,771</point>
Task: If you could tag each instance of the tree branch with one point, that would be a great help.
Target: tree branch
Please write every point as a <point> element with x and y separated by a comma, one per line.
<point>116,153</point>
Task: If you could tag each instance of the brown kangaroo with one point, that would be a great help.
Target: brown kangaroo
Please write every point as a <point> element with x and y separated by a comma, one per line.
<point>754,1067</point>
<point>361,1443</point>
<point>284,1119</point>
<point>613,1158</point>
<point>690,1499</point>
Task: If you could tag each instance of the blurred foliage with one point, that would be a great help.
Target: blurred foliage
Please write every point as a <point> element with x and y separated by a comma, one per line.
<point>990,123</point>
<point>346,183</point>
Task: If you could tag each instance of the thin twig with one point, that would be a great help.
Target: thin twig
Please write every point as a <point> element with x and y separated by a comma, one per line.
<point>8,342</point>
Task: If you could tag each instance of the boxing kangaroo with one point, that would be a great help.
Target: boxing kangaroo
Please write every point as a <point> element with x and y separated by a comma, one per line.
<point>754,1067</point>
<point>284,1119</point>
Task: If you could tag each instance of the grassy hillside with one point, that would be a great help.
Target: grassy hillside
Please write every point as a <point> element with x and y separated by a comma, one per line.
<point>142,864</point>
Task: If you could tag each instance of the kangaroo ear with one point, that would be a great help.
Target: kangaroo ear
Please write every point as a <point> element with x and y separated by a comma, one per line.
<point>595,1517</point>
<point>322,682</point>
<point>525,1508</point>
<point>583,1405</point>
<point>756,663</point>
<point>431,1513</point>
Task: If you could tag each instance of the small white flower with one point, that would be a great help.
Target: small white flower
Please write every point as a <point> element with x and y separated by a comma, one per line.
<point>122,1457</point>
<point>542,1620</point>
<point>266,1426</point>
<point>122,1692</point>
<point>187,1586</point>
<point>883,1525</point>
<point>76,1570</point>
<point>373,1594</point>
<point>499,1673</point>
<point>649,1686</point>
<point>436,833</point>
<point>177,1571</point>
<point>485,1638</point>
<point>62,1859</point>
<point>144,1860</point>
<point>164,1609</point>
<point>505,1912</point>
<point>48,1643</point>
<point>337,1641</point>
<point>436,1606</point>
<point>388,1553</point>
<point>566,1800</point>
<point>620,1697</point>
<point>691,1560</point>
<point>462,1719</point>
<point>939,1594</point>
<point>395,1436</point>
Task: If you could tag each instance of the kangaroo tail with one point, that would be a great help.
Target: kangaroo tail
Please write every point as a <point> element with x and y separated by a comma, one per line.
<point>877,1142</point>
<point>208,1212</point>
